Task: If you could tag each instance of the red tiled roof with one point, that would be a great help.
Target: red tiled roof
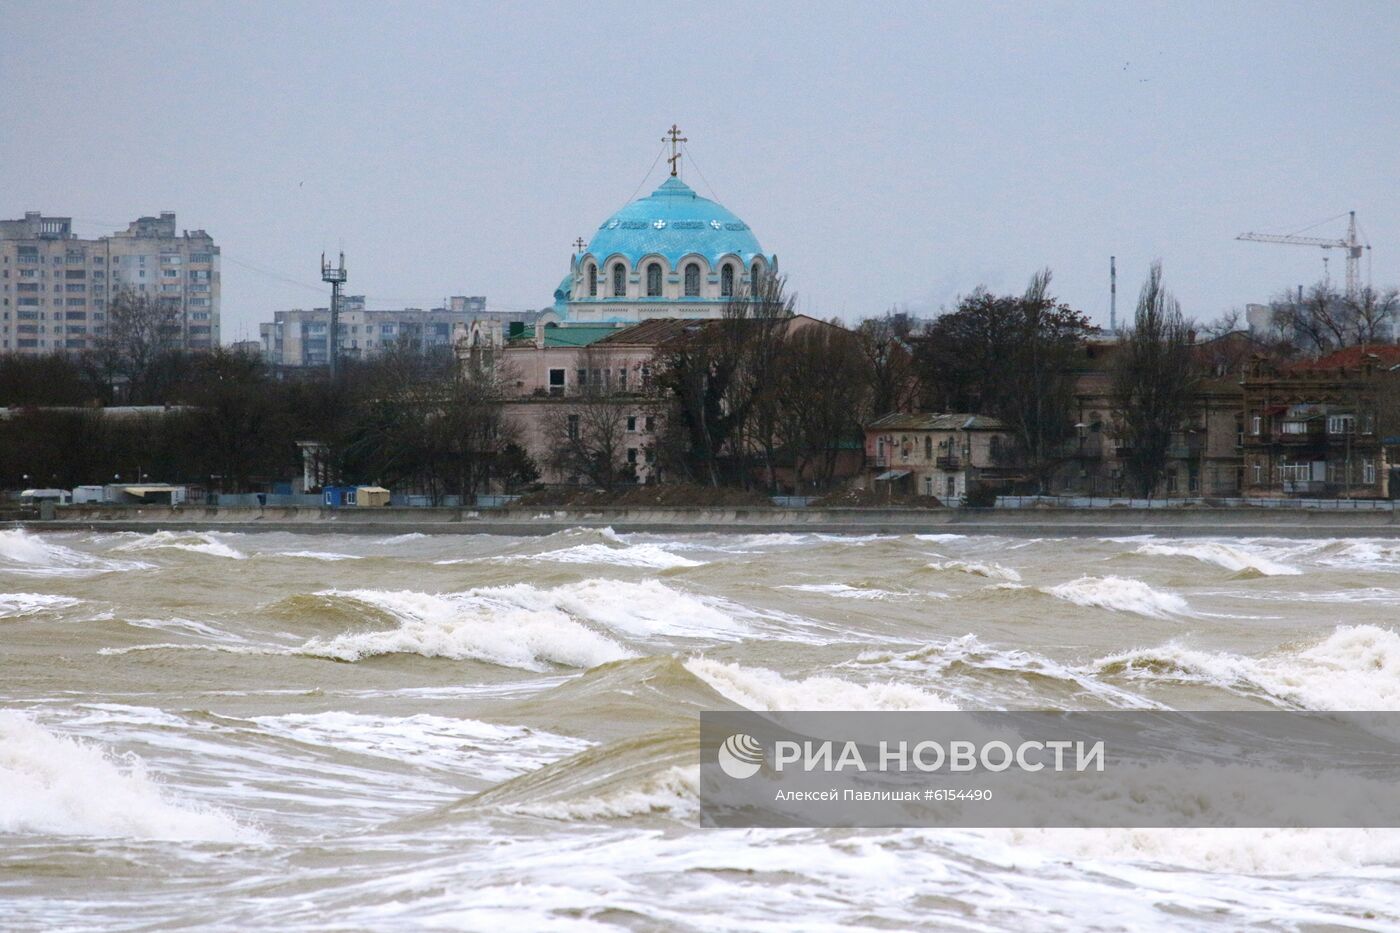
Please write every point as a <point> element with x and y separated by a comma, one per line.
<point>1352,357</point>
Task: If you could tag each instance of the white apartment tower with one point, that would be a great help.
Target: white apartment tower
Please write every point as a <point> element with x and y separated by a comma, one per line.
<point>55,287</point>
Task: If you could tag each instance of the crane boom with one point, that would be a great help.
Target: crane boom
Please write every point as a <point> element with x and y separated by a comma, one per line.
<point>1351,244</point>
<point>1295,240</point>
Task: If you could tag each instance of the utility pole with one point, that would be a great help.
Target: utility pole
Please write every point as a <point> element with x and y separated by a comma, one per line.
<point>336,276</point>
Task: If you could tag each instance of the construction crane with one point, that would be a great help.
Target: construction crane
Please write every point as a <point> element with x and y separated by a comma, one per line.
<point>1351,245</point>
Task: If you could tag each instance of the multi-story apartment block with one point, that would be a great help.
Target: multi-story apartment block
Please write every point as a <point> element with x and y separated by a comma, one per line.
<point>299,337</point>
<point>55,287</point>
<point>1324,427</point>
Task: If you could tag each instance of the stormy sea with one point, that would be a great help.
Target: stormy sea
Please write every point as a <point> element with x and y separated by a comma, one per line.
<point>313,731</point>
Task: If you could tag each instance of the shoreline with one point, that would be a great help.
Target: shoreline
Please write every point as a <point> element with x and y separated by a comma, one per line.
<point>1184,522</point>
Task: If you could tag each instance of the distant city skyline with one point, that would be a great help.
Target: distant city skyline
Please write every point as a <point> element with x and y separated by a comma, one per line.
<point>897,159</point>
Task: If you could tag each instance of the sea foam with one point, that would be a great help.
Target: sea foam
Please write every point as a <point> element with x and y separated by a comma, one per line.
<point>467,626</point>
<point>1120,594</point>
<point>758,688</point>
<point>54,784</point>
<point>1353,668</point>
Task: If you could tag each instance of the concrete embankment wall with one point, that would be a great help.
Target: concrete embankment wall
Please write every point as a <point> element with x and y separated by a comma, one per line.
<point>1235,522</point>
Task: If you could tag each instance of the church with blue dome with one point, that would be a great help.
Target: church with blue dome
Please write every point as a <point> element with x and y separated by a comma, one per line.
<point>671,254</point>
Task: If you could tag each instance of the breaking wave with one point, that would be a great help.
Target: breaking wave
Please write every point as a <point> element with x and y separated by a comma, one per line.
<point>15,605</point>
<point>990,571</point>
<point>32,555</point>
<point>645,609</point>
<point>631,555</point>
<point>194,542</point>
<point>53,784</point>
<point>1236,559</point>
<point>760,689</point>
<point>1354,668</point>
<point>1120,594</point>
<point>469,626</point>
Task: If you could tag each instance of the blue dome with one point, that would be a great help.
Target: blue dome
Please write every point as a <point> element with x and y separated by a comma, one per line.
<point>673,221</point>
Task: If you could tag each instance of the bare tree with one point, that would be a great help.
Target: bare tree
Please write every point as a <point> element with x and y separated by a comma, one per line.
<point>718,372</point>
<point>1154,382</point>
<point>588,434</point>
<point>823,387</point>
<point>894,385</point>
<point>139,329</point>
<point>1373,314</point>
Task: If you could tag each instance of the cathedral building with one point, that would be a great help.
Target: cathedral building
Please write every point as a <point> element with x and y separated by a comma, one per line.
<point>671,254</point>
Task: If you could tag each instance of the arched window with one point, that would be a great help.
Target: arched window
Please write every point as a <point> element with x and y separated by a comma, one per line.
<point>754,273</point>
<point>928,446</point>
<point>653,280</point>
<point>619,281</point>
<point>692,280</point>
<point>592,281</point>
<point>726,281</point>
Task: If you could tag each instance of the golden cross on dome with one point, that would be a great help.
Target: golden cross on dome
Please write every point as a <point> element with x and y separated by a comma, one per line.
<point>579,244</point>
<point>673,135</point>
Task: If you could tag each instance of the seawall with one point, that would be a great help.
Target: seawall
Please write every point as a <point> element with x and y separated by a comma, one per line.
<point>1195,521</point>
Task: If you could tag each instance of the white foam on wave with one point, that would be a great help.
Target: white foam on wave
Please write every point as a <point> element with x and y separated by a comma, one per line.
<point>15,605</point>
<point>1353,668</point>
<point>187,626</point>
<point>758,688</point>
<point>1237,851</point>
<point>1364,554</point>
<point>404,538</point>
<point>939,661</point>
<point>53,784</point>
<point>196,542</point>
<point>631,555</point>
<point>977,569</point>
<point>1235,558</point>
<point>485,750</point>
<point>840,590</point>
<point>1120,594</point>
<point>644,609</point>
<point>33,555</point>
<point>469,626</point>
<point>318,555</point>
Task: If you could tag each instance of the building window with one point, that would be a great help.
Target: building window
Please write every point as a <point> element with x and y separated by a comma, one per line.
<point>726,281</point>
<point>1368,472</point>
<point>582,377</point>
<point>928,446</point>
<point>1256,424</point>
<point>619,281</point>
<point>653,280</point>
<point>631,422</point>
<point>1341,424</point>
<point>692,280</point>
<point>754,274</point>
<point>631,455</point>
<point>573,427</point>
<point>556,382</point>
<point>592,281</point>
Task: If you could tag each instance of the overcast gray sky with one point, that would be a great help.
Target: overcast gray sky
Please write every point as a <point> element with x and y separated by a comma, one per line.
<point>890,154</point>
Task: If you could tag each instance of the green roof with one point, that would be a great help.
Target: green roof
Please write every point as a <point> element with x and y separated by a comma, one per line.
<point>568,335</point>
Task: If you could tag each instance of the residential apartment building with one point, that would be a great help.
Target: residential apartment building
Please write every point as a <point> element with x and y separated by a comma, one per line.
<point>939,454</point>
<point>301,337</point>
<point>55,287</point>
<point>1323,428</point>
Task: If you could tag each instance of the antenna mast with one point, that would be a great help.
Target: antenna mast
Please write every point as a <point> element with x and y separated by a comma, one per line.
<point>336,276</point>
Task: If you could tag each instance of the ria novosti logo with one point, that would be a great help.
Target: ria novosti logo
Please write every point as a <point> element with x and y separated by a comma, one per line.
<point>740,756</point>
